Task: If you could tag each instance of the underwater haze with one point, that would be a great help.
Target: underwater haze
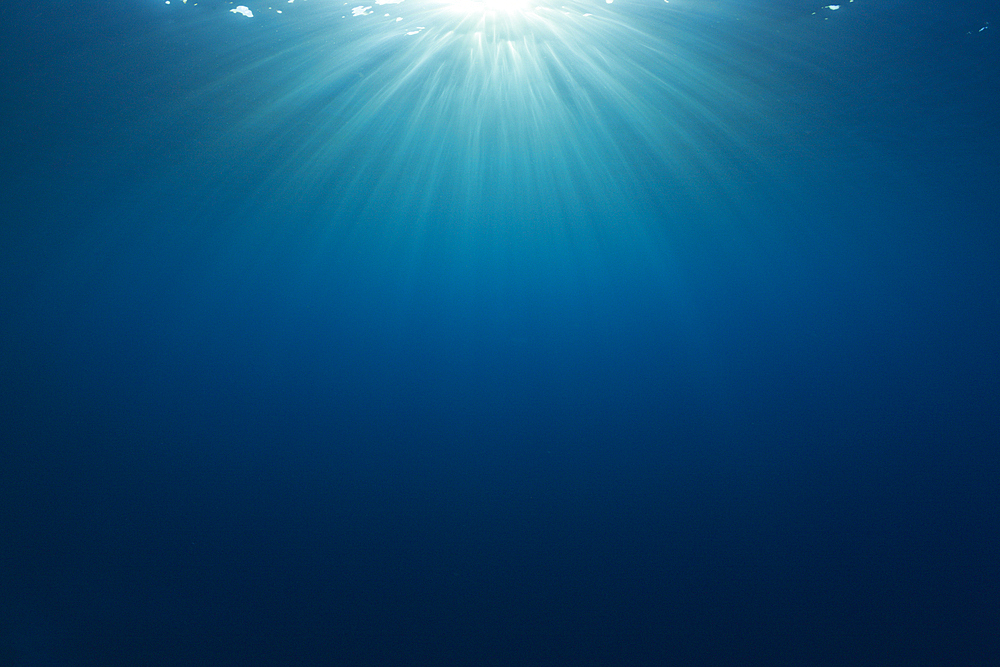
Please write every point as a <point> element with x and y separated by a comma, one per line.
<point>499,332</point>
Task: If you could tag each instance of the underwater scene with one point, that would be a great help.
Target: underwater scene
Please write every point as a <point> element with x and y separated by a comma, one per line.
<point>500,332</point>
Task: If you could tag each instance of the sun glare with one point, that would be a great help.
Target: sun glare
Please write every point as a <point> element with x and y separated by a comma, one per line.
<point>504,6</point>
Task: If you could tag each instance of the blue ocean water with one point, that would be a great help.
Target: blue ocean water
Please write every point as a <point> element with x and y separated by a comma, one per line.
<point>483,333</point>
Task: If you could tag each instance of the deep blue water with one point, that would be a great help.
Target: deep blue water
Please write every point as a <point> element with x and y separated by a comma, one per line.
<point>663,335</point>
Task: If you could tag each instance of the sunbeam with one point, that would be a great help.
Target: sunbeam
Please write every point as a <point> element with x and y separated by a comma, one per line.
<point>558,105</point>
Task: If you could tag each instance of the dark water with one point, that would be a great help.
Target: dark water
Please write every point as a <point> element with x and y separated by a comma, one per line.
<point>662,336</point>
